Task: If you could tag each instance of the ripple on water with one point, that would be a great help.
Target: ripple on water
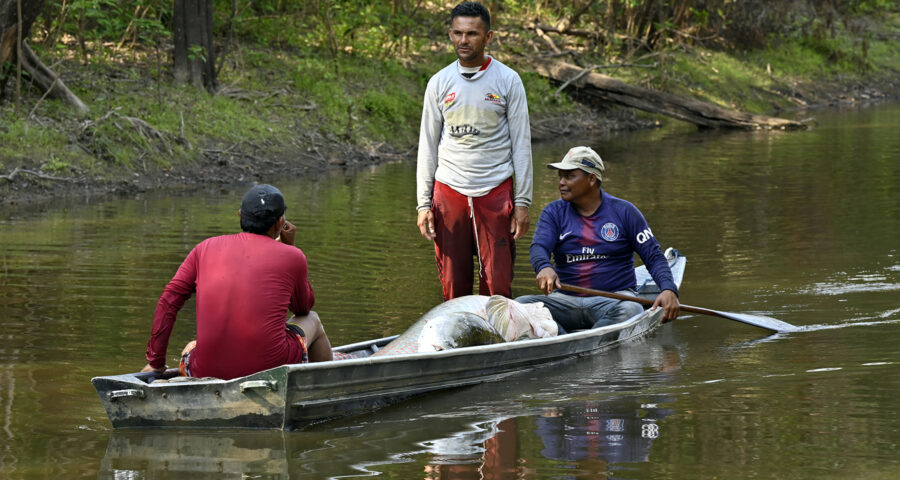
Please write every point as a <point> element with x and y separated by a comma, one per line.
<point>840,283</point>
<point>834,288</point>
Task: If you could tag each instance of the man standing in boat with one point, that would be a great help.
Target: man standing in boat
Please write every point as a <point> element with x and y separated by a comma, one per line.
<point>593,236</point>
<point>245,285</point>
<point>474,143</point>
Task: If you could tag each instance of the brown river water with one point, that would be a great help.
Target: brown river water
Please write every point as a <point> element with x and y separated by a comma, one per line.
<point>800,226</point>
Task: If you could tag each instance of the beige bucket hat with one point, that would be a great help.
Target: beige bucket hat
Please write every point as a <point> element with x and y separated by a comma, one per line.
<point>584,158</point>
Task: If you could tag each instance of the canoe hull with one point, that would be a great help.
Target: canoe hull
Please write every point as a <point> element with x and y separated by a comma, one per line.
<point>132,402</point>
<point>296,396</point>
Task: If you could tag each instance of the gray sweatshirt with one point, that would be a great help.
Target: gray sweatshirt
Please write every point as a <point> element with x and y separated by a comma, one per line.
<point>475,133</point>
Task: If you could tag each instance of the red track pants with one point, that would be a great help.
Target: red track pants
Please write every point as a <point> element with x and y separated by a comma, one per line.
<point>467,226</point>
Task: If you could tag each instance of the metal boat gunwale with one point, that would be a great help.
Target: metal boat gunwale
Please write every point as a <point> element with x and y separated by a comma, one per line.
<point>518,344</point>
<point>410,357</point>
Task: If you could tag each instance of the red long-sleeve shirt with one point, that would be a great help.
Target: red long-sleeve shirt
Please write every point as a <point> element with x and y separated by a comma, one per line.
<point>245,284</point>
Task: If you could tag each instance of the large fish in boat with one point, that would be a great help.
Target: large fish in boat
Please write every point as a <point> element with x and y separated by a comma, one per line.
<point>472,320</point>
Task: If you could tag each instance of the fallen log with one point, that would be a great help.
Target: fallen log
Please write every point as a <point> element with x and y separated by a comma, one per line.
<point>49,81</point>
<point>700,113</point>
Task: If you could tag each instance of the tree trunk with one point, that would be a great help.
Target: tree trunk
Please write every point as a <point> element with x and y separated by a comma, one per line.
<point>11,36</point>
<point>195,57</point>
<point>9,22</point>
<point>14,51</point>
<point>703,114</point>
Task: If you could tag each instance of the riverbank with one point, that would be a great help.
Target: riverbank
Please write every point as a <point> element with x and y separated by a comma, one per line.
<point>31,186</point>
<point>280,113</point>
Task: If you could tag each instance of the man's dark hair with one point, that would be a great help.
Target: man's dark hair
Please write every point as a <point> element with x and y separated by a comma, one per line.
<point>472,9</point>
<point>253,225</point>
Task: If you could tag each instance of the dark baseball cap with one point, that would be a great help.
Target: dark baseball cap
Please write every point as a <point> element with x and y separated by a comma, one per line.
<point>263,204</point>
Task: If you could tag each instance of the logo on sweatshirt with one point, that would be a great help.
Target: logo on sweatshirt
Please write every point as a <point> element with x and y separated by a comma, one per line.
<point>448,100</point>
<point>609,232</point>
<point>463,130</point>
<point>493,98</point>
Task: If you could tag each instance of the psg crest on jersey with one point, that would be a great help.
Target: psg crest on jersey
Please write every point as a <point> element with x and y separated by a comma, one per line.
<point>609,231</point>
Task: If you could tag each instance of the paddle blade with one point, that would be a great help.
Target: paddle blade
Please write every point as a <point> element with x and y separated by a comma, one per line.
<point>768,323</point>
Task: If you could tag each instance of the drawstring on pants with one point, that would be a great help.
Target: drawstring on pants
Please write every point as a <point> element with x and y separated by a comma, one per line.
<point>481,272</point>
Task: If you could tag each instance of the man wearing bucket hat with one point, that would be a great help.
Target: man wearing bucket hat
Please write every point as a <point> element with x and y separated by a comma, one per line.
<point>592,237</point>
<point>245,284</point>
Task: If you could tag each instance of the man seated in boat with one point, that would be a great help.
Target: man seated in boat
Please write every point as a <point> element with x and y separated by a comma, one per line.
<point>592,236</point>
<point>245,284</point>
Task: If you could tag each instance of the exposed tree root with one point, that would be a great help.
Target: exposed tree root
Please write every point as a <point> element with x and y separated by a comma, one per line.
<point>159,140</point>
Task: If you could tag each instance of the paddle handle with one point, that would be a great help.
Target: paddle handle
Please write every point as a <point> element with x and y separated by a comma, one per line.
<point>628,298</point>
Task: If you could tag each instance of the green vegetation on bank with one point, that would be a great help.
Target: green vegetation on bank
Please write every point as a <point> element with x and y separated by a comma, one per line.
<point>318,79</point>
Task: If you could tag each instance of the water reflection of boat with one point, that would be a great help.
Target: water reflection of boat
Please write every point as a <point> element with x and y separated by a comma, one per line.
<point>296,396</point>
<point>158,454</point>
<point>481,431</point>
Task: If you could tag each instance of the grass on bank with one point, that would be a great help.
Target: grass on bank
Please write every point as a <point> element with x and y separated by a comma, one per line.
<point>773,79</point>
<point>270,100</point>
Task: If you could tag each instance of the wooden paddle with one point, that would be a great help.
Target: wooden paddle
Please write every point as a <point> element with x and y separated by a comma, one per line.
<point>768,323</point>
